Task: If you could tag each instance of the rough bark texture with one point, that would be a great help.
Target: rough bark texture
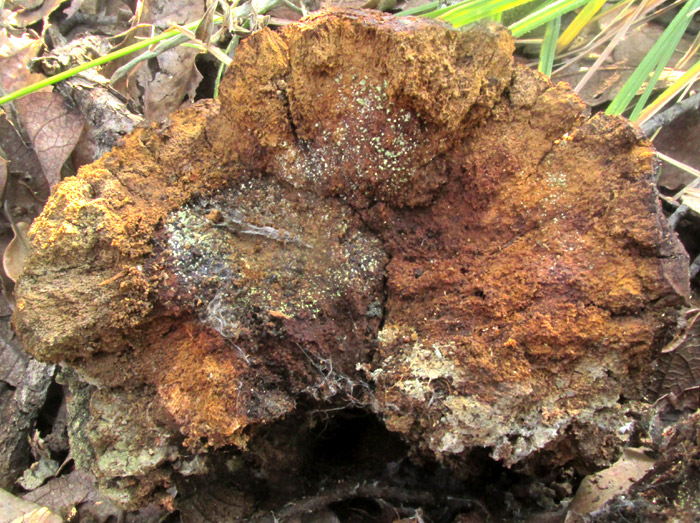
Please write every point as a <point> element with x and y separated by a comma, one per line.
<point>24,383</point>
<point>382,212</point>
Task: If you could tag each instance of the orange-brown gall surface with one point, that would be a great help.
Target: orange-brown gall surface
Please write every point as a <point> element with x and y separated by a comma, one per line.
<point>379,212</point>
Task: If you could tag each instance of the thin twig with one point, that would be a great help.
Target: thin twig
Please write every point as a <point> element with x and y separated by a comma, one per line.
<point>666,117</point>
<point>680,165</point>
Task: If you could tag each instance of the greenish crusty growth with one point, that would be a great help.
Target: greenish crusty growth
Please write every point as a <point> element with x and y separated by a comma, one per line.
<point>257,247</point>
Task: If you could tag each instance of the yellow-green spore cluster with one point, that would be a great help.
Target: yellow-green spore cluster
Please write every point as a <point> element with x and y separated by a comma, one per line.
<point>371,148</point>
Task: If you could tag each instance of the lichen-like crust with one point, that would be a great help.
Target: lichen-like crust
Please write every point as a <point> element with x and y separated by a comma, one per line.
<point>376,204</point>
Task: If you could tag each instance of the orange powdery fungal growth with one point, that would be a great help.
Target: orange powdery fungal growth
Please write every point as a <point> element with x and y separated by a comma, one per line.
<point>381,213</point>
<point>329,122</point>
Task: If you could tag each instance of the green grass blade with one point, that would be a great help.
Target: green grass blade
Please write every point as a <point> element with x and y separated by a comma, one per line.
<point>230,52</point>
<point>51,80</point>
<point>549,46</point>
<point>544,15</point>
<point>676,87</point>
<point>654,61</point>
<point>459,5</point>
<point>474,10</point>
<point>479,9</point>
<point>665,59</point>
<point>259,6</point>
<point>420,10</point>
<point>644,98</point>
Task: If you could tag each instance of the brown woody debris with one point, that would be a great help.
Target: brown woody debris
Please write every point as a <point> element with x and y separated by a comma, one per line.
<point>380,211</point>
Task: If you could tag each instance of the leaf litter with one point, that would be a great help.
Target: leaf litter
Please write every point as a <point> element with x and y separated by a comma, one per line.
<point>53,129</point>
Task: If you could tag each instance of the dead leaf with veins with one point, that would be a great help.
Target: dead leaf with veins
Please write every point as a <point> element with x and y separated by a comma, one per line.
<point>53,129</point>
<point>23,170</point>
<point>679,364</point>
<point>10,44</point>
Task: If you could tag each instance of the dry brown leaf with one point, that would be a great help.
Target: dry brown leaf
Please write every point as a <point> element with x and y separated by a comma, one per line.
<point>166,82</point>
<point>16,253</point>
<point>680,366</point>
<point>680,139</point>
<point>25,187</point>
<point>14,64</point>
<point>612,75</point>
<point>164,13</point>
<point>53,129</point>
<point>176,78</point>
<point>96,17</point>
<point>24,4</point>
<point>11,44</point>
<point>21,159</point>
<point>597,489</point>
<point>175,83</point>
<point>691,198</point>
<point>31,16</point>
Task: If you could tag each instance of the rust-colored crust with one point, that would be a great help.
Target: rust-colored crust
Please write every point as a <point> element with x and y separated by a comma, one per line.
<point>373,200</point>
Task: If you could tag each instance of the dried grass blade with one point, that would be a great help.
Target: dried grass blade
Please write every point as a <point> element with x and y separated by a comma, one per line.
<point>688,78</point>
<point>619,35</point>
<point>654,62</point>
